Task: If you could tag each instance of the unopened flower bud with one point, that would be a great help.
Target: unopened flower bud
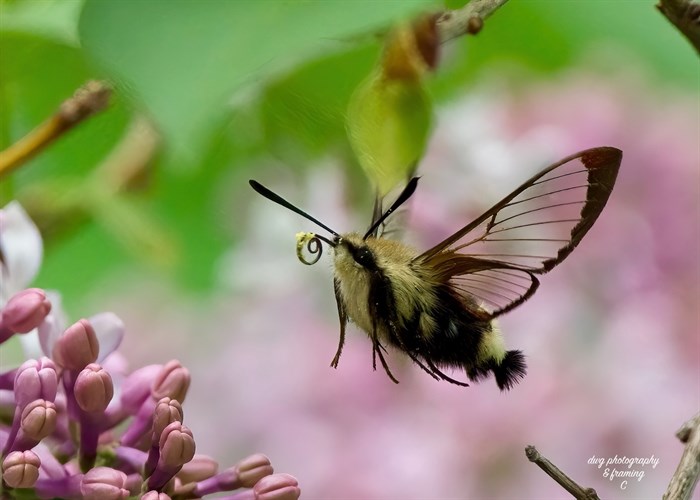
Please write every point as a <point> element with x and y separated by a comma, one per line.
<point>93,388</point>
<point>245,474</point>
<point>25,310</point>
<point>104,483</point>
<point>38,419</point>
<point>154,495</point>
<point>35,379</point>
<point>172,381</point>
<point>176,445</point>
<point>252,469</point>
<point>277,487</point>
<point>77,347</point>
<point>199,468</point>
<point>21,469</point>
<point>167,411</point>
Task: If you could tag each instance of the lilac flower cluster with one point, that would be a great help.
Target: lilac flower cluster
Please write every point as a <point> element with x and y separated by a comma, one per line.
<point>74,426</point>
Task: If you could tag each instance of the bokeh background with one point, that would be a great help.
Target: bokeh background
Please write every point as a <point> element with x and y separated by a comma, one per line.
<point>209,94</point>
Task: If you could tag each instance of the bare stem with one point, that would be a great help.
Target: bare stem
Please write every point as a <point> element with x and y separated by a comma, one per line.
<point>685,478</point>
<point>684,15</point>
<point>579,492</point>
<point>125,168</point>
<point>87,100</point>
<point>467,20</point>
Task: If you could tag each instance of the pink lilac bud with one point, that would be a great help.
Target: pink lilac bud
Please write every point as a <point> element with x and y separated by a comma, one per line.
<point>199,468</point>
<point>167,411</point>
<point>172,381</point>
<point>93,389</point>
<point>245,474</point>
<point>21,469</point>
<point>104,483</point>
<point>35,380</point>
<point>38,420</point>
<point>77,347</point>
<point>155,495</point>
<point>277,487</point>
<point>177,447</point>
<point>92,392</point>
<point>252,469</point>
<point>25,310</point>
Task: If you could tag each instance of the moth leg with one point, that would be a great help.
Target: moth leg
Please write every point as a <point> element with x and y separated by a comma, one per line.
<point>414,358</point>
<point>343,317</point>
<point>436,371</point>
<point>377,350</point>
<point>431,372</point>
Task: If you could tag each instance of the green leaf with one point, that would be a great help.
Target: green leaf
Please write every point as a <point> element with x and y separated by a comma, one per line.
<point>52,19</point>
<point>388,124</point>
<point>185,60</point>
<point>303,113</point>
<point>134,228</point>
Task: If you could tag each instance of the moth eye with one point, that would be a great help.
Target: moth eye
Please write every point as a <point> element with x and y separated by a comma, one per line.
<point>364,257</point>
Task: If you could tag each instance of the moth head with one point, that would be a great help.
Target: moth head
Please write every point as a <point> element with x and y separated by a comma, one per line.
<point>352,245</point>
<point>352,251</point>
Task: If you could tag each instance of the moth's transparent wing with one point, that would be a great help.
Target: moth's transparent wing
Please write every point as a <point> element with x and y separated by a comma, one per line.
<point>390,223</point>
<point>495,258</point>
<point>392,227</point>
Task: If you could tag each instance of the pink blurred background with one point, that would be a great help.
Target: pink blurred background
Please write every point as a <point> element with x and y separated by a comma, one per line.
<point>611,337</point>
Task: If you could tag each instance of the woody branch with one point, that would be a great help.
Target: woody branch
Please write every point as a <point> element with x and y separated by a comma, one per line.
<point>684,15</point>
<point>87,100</point>
<point>579,492</point>
<point>467,20</point>
<point>685,478</point>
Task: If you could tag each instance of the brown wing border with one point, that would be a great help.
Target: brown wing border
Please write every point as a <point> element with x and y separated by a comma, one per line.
<point>602,163</point>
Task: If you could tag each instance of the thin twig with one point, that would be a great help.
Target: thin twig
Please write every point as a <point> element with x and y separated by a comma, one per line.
<point>87,100</point>
<point>123,169</point>
<point>684,15</point>
<point>579,492</point>
<point>467,20</point>
<point>685,478</point>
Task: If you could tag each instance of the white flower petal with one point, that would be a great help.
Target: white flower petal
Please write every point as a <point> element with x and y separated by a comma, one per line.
<point>21,247</point>
<point>53,326</point>
<point>109,330</point>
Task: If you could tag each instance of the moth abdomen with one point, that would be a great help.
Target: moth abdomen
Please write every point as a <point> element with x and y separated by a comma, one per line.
<point>510,370</point>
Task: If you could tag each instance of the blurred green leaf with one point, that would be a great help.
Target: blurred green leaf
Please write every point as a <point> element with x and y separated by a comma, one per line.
<point>388,123</point>
<point>134,226</point>
<point>53,19</point>
<point>548,36</point>
<point>185,60</point>
<point>303,113</point>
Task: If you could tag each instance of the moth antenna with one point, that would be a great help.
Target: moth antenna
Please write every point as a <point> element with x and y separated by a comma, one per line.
<point>260,189</point>
<point>405,195</point>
